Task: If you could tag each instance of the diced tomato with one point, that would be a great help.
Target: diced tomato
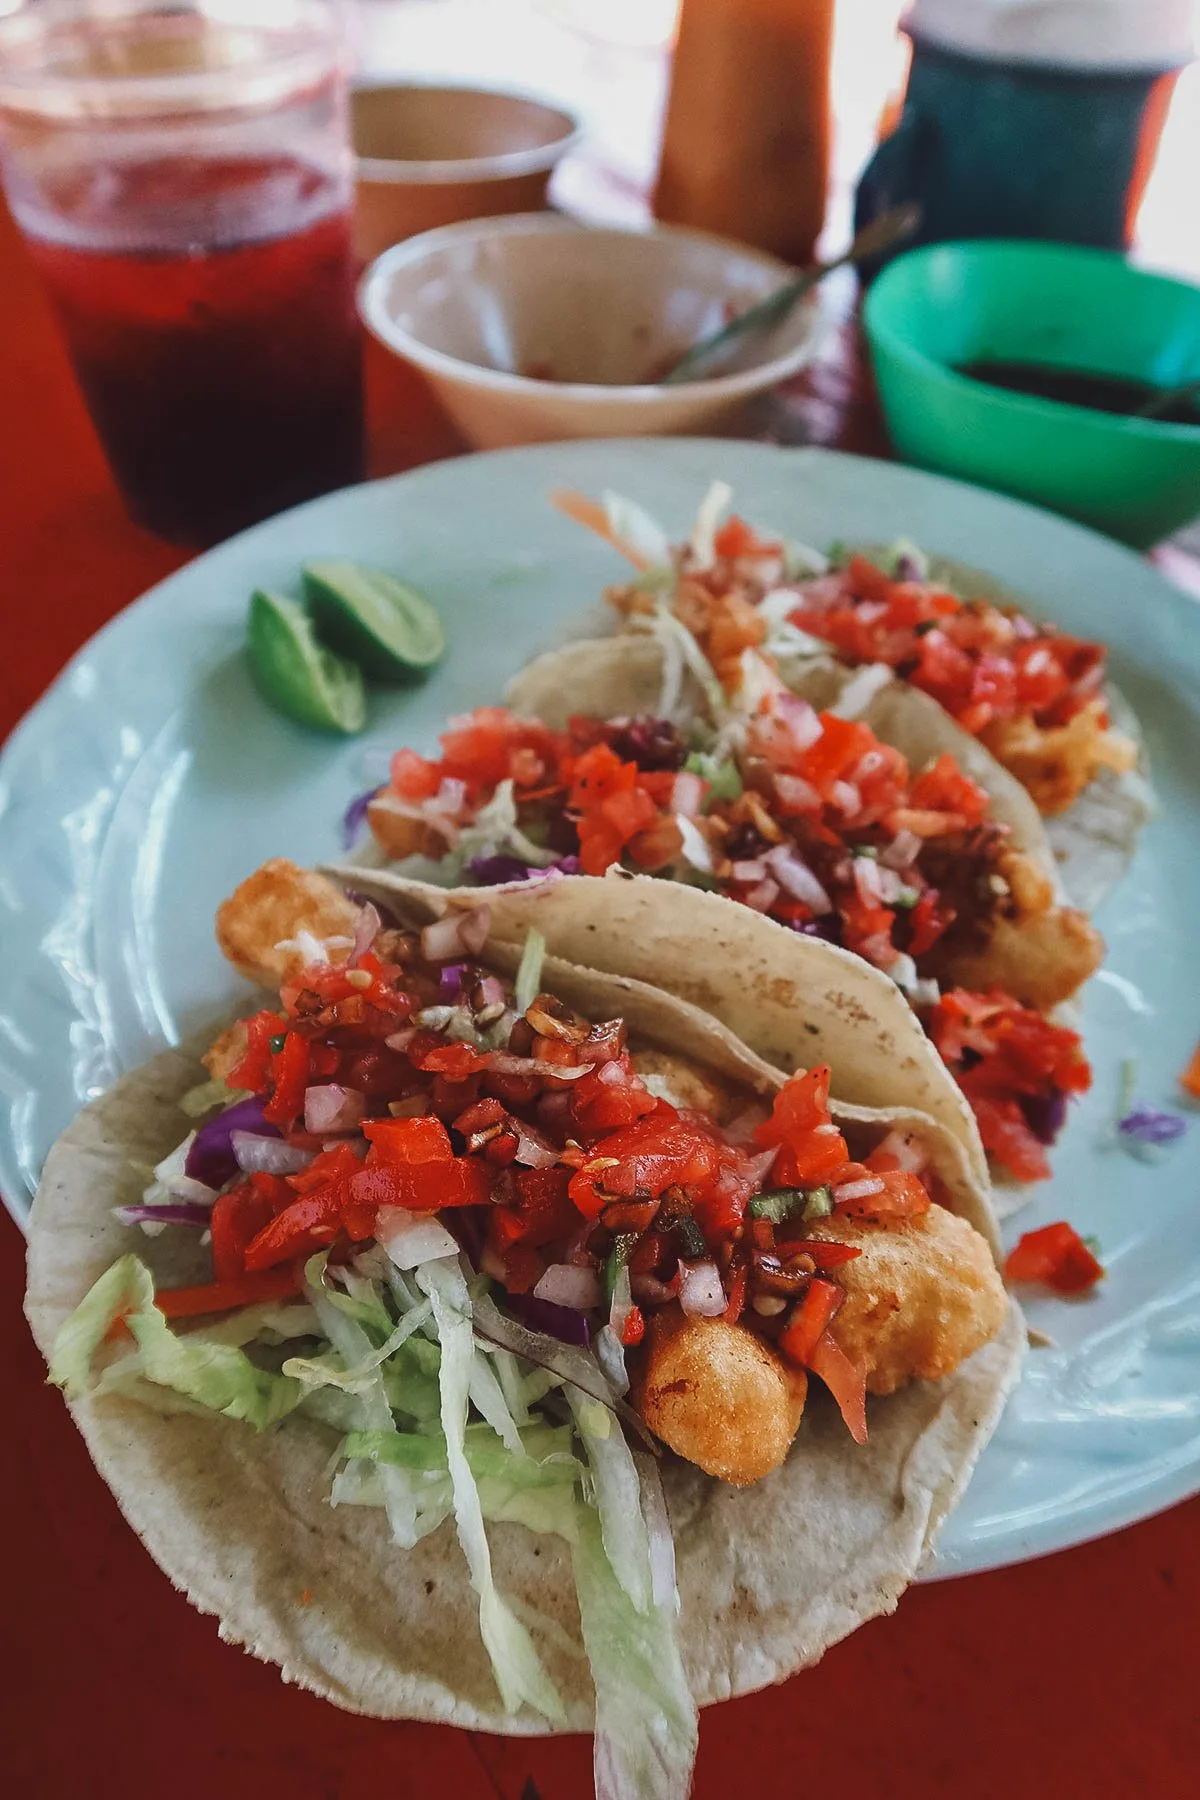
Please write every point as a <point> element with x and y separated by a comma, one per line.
<point>634,1329</point>
<point>1057,1256</point>
<point>846,1383</point>
<point>253,1071</point>
<point>903,1197</point>
<point>412,777</point>
<point>944,788</point>
<point>867,582</point>
<point>801,1104</point>
<point>814,1312</point>
<point>735,1287</point>
<point>603,1102</point>
<point>1007,1137</point>
<point>841,743</point>
<point>236,1218</point>
<point>929,920</point>
<point>421,1140</point>
<point>657,1153</point>
<point>330,1165</point>
<point>289,1077</point>
<point>523,1268</point>
<point>455,1061</point>
<point>227,1296</point>
<point>825,1254</point>
<point>1189,1081</point>
<point>735,538</point>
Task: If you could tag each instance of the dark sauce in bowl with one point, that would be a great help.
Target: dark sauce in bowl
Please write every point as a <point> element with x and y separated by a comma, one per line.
<point>1082,387</point>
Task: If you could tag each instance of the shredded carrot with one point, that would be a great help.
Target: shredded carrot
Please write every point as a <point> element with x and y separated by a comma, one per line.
<point>1189,1081</point>
<point>592,515</point>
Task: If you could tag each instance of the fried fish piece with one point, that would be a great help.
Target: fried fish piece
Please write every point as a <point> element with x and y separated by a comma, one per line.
<point>260,923</point>
<point>920,1298</point>
<point>718,1396</point>
<point>1056,762</point>
<point>684,1084</point>
<point>1036,950</point>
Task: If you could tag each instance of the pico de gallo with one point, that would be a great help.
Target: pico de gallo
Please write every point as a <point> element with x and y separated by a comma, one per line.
<point>412,1094</point>
<point>812,820</point>
<point>1032,693</point>
<point>441,1209</point>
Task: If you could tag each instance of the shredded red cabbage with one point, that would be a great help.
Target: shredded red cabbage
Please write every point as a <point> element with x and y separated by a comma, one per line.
<point>562,1322</point>
<point>1045,1114</point>
<point>450,980</point>
<point>494,871</point>
<point>210,1158</point>
<point>650,743</point>
<point>188,1212</point>
<point>355,817</point>
<point>1146,1125</point>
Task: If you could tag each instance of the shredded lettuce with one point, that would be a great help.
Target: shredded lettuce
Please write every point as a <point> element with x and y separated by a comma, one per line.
<point>210,1095</point>
<point>360,1378</point>
<point>529,972</point>
<point>646,1724</point>
<point>636,529</point>
<point>618,1496</point>
<point>495,831</point>
<point>218,1376</point>
<point>519,1673</point>
<point>702,546</point>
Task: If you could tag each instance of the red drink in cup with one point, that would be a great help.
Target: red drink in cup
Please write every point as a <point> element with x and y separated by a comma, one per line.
<point>191,220</point>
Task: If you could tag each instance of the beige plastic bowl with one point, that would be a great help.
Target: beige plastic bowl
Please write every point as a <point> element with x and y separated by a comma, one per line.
<point>429,155</point>
<point>535,327</point>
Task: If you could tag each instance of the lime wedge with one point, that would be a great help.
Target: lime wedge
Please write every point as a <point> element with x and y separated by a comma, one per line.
<point>295,674</point>
<point>389,629</point>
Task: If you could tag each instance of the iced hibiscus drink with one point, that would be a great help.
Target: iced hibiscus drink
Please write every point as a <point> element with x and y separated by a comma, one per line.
<point>208,304</point>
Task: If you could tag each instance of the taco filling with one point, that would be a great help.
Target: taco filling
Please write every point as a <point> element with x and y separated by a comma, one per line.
<point>1034,695</point>
<point>804,815</point>
<point>478,1231</point>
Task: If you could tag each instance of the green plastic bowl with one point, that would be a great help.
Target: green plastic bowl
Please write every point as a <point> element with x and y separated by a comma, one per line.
<point>948,304</point>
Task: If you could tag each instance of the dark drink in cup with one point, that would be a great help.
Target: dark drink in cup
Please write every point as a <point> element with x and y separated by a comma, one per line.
<point>198,255</point>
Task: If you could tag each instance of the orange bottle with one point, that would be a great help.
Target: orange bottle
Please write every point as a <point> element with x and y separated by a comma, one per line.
<point>747,137</point>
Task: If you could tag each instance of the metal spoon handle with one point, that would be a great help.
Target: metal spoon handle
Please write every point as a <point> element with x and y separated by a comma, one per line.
<point>889,228</point>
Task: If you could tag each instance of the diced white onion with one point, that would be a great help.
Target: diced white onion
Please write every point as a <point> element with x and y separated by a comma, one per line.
<point>412,1238</point>
<point>866,879</point>
<point>695,849</point>
<point>365,932</point>
<point>687,795</point>
<point>443,939</point>
<point>860,690</point>
<point>533,1152</point>
<point>908,1151</point>
<point>845,797</point>
<point>859,1190</point>
<point>763,897</point>
<point>503,1064</point>
<point>901,851</point>
<point>255,1154</point>
<point>332,1108</point>
<point>749,871</point>
<point>797,794</point>
<point>568,1284</point>
<point>700,1292</point>
<point>797,878</point>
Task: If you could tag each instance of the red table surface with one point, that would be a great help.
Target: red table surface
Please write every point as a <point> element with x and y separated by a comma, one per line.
<point>1068,1676</point>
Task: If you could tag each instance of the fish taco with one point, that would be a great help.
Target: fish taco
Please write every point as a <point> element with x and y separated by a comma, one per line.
<point>498,1322</point>
<point>1037,698</point>
<point>843,806</point>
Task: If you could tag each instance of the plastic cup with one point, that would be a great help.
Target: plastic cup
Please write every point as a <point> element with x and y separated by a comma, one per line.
<point>184,181</point>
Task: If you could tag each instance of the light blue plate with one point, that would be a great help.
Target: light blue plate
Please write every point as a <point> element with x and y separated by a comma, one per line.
<point>151,779</point>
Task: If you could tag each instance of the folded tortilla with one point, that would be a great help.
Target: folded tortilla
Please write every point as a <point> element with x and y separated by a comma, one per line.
<point>769,1577</point>
<point>1095,840</point>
